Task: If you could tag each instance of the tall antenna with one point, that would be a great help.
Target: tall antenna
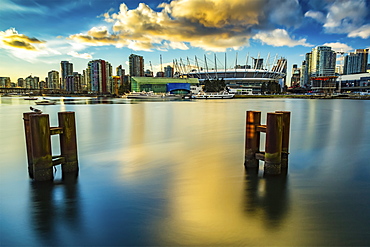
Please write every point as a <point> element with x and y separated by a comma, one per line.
<point>225,65</point>
<point>216,66</point>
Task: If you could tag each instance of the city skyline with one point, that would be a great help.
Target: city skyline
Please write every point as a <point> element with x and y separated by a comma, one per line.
<point>36,36</point>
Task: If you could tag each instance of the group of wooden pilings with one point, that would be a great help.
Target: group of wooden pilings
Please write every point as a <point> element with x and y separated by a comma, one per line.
<point>38,142</point>
<point>276,152</point>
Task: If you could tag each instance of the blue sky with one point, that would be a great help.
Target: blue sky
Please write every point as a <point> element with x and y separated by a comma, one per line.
<point>35,35</point>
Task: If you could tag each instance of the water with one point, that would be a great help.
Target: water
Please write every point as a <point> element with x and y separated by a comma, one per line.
<point>172,173</point>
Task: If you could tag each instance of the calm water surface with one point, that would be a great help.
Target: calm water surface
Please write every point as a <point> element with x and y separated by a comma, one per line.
<point>172,173</point>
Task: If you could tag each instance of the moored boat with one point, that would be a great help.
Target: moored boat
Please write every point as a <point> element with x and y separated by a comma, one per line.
<point>222,95</point>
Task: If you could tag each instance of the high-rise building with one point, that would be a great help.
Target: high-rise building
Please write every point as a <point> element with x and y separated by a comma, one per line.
<point>323,61</point>
<point>20,82</point>
<point>66,69</point>
<point>74,83</point>
<point>320,67</point>
<point>32,82</point>
<point>136,65</point>
<point>5,82</point>
<point>168,71</point>
<point>356,62</point>
<point>53,80</point>
<point>100,72</point>
<point>296,76</point>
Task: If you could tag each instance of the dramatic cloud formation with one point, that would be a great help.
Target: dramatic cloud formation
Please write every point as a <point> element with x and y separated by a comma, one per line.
<point>11,39</point>
<point>341,16</point>
<point>208,24</point>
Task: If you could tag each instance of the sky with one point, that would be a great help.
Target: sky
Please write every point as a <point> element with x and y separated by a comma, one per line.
<point>36,35</point>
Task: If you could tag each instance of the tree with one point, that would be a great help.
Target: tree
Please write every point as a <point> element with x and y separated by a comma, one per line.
<point>214,85</point>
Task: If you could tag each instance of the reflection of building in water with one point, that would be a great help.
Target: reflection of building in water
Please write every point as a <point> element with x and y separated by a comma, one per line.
<point>54,207</point>
<point>268,194</point>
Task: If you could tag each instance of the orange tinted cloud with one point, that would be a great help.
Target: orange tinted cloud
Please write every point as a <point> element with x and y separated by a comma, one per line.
<point>11,38</point>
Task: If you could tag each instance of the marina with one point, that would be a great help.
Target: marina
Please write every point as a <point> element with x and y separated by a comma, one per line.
<point>170,173</point>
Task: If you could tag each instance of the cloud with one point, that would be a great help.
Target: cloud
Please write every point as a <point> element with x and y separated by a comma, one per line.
<point>7,5</point>
<point>96,36</point>
<point>34,50</point>
<point>339,47</point>
<point>12,39</point>
<point>316,15</point>
<point>363,32</point>
<point>213,25</point>
<point>279,37</point>
<point>83,55</point>
<point>342,16</point>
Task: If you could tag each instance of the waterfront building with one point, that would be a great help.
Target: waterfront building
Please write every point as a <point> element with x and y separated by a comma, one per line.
<point>5,82</point>
<point>319,70</point>
<point>136,65</point>
<point>53,80</point>
<point>296,76</point>
<point>356,62</point>
<point>66,69</point>
<point>100,72</point>
<point>323,61</point>
<point>256,77</point>
<point>20,82</point>
<point>121,73</point>
<point>163,84</point>
<point>74,83</point>
<point>32,82</point>
<point>87,79</point>
<point>168,71</point>
<point>355,82</point>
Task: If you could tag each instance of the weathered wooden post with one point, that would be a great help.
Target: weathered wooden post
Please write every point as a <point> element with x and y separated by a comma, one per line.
<point>273,148</point>
<point>68,143</point>
<point>41,147</point>
<point>27,131</point>
<point>285,141</point>
<point>252,138</point>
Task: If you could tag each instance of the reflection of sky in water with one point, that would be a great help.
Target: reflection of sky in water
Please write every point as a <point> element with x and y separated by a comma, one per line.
<point>167,173</point>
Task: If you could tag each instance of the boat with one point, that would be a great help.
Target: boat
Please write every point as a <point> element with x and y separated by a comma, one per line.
<point>45,102</point>
<point>221,95</point>
<point>151,96</point>
<point>31,98</point>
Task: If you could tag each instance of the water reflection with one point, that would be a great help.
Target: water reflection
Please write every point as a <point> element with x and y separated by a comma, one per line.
<point>55,208</point>
<point>266,196</point>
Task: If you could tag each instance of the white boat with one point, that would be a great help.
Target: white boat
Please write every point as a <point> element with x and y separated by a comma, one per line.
<point>222,95</point>
<point>151,95</point>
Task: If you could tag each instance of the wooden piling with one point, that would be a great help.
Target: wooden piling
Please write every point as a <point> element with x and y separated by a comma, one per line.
<point>273,143</point>
<point>41,147</point>
<point>285,138</point>
<point>68,143</point>
<point>27,132</point>
<point>252,138</point>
